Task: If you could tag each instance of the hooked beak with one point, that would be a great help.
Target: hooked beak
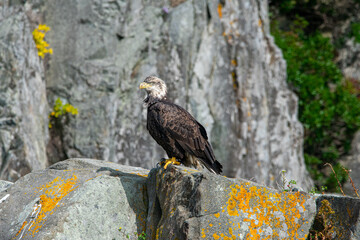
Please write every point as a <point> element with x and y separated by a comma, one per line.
<point>144,85</point>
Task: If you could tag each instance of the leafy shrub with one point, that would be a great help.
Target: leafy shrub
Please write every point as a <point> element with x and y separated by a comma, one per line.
<point>61,109</point>
<point>328,107</point>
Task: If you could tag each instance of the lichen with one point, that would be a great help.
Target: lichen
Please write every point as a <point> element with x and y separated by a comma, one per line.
<point>260,208</point>
<point>50,196</point>
<point>219,10</point>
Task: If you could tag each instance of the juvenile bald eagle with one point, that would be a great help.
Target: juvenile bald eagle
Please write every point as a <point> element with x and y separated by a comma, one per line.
<point>175,130</point>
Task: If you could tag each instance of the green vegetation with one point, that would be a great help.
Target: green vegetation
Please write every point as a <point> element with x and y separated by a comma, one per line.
<point>137,236</point>
<point>287,186</point>
<point>142,236</point>
<point>355,31</point>
<point>314,190</point>
<point>328,106</point>
<point>60,110</point>
<point>41,45</point>
<point>324,225</point>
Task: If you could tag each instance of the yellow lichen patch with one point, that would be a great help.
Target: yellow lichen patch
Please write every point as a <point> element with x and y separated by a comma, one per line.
<point>215,236</point>
<point>21,229</point>
<point>52,193</point>
<point>142,175</point>
<point>217,215</point>
<point>219,9</point>
<point>203,235</point>
<point>263,208</point>
<point>158,232</point>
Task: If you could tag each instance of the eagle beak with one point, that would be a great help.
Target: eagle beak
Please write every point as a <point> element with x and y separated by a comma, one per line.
<point>144,85</point>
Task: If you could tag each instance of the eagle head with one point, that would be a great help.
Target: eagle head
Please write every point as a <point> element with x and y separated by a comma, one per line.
<point>155,88</point>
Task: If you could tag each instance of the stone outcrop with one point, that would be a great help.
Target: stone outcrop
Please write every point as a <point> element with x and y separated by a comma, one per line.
<point>92,199</point>
<point>189,204</point>
<point>76,199</point>
<point>23,103</point>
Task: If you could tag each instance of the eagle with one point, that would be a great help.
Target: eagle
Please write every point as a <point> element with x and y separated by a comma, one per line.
<point>176,131</point>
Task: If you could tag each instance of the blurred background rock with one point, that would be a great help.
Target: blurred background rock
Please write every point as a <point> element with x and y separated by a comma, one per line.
<point>217,57</point>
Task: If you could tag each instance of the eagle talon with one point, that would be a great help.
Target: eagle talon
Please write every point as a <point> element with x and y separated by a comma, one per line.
<point>161,162</point>
<point>171,161</point>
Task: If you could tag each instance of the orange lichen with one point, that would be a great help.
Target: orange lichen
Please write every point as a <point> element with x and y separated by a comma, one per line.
<point>203,235</point>
<point>217,215</point>
<point>53,192</point>
<point>262,208</point>
<point>142,175</point>
<point>22,227</point>
<point>219,9</point>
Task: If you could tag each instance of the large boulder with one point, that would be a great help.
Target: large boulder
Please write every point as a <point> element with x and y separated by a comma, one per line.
<point>189,204</point>
<point>76,199</point>
<point>23,103</point>
<point>218,60</point>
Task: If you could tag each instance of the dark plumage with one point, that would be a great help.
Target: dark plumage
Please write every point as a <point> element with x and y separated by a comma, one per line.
<point>173,128</point>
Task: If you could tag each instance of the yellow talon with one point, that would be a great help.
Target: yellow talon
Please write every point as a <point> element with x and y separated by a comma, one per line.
<point>171,160</point>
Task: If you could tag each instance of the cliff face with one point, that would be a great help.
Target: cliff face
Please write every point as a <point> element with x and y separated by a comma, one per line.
<point>218,60</point>
<point>23,104</point>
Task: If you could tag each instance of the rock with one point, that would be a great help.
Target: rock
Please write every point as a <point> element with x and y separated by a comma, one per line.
<point>23,103</point>
<point>93,199</point>
<point>352,162</point>
<point>337,217</point>
<point>4,185</point>
<point>219,62</point>
<point>349,60</point>
<point>76,199</point>
<point>188,204</point>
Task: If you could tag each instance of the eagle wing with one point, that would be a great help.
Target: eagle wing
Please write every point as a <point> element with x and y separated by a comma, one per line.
<point>189,134</point>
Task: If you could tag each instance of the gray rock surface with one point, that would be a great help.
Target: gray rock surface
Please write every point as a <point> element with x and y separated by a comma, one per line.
<point>4,185</point>
<point>352,162</point>
<point>76,199</point>
<point>226,70</point>
<point>337,218</point>
<point>189,204</point>
<point>93,199</point>
<point>349,60</point>
<point>23,103</point>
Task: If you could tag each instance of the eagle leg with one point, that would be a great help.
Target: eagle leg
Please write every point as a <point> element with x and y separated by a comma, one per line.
<point>171,161</point>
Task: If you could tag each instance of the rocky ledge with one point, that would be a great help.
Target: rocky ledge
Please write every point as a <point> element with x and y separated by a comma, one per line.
<point>92,199</point>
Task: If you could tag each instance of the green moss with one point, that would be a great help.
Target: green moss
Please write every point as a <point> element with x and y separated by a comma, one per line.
<point>355,31</point>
